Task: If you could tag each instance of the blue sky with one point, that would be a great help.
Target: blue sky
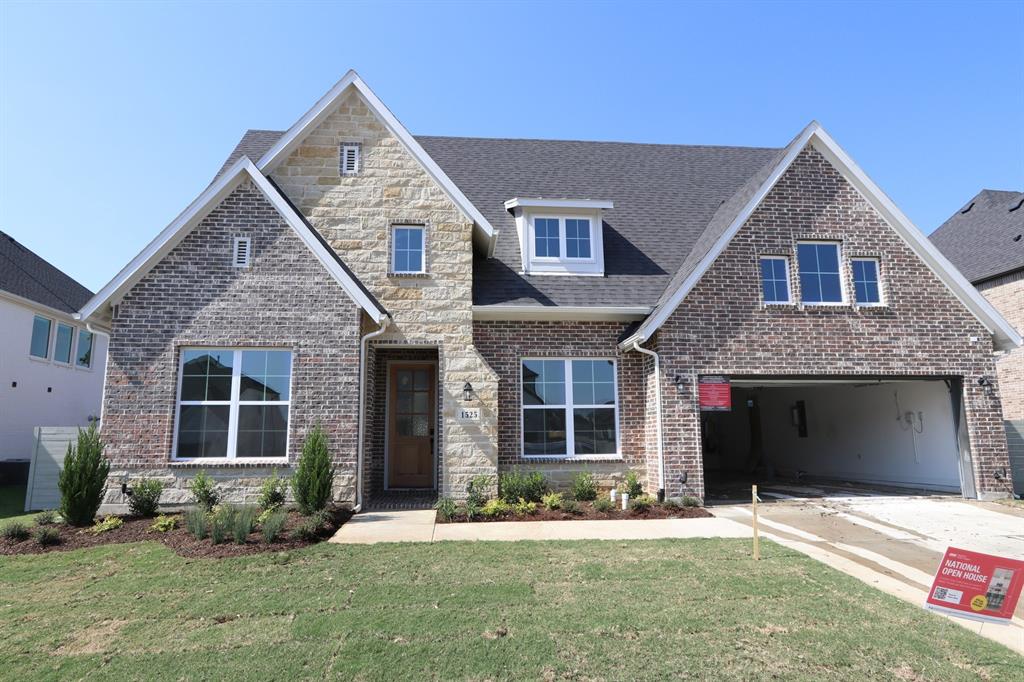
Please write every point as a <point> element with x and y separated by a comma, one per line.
<point>114,116</point>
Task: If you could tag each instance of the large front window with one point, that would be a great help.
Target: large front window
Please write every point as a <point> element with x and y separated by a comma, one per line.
<point>820,282</point>
<point>569,408</point>
<point>233,404</point>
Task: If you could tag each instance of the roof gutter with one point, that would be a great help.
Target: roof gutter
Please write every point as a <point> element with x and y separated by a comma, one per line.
<point>657,406</point>
<point>363,345</point>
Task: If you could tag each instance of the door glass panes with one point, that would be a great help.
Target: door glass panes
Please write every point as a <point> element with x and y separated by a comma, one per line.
<point>412,401</point>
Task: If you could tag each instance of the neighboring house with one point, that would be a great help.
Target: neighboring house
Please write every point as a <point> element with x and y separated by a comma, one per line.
<point>51,365</point>
<point>453,307</point>
<point>985,241</point>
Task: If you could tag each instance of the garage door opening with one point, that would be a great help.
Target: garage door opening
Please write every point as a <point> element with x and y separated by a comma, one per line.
<point>896,435</point>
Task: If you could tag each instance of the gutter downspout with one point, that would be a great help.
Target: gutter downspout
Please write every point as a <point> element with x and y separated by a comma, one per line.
<point>363,345</point>
<point>657,403</point>
<point>103,391</point>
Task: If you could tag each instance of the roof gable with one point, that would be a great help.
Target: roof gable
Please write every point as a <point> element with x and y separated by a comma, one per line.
<point>211,197</point>
<point>983,239</point>
<point>743,205</point>
<point>25,275</point>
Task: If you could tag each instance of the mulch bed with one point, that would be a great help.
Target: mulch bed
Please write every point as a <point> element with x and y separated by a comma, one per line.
<point>137,529</point>
<point>588,513</point>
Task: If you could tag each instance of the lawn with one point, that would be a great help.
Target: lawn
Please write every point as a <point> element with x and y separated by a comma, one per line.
<point>12,503</point>
<point>698,609</point>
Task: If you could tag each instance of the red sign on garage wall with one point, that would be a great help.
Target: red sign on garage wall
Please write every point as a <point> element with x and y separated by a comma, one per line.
<point>715,394</point>
<point>978,586</point>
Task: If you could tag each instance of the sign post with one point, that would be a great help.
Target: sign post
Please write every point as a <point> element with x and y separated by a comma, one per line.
<point>757,545</point>
<point>977,586</point>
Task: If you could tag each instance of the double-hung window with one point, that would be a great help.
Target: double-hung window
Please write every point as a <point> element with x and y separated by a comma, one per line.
<point>62,346</point>
<point>569,408</point>
<point>407,252</point>
<point>775,279</point>
<point>820,281</point>
<point>865,281</point>
<point>40,345</point>
<point>83,355</point>
<point>233,404</point>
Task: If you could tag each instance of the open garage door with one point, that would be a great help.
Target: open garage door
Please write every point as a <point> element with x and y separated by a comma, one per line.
<point>896,433</point>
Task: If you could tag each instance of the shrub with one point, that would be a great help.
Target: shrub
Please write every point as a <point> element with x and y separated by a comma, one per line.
<point>632,484</point>
<point>314,475</point>
<point>205,491</point>
<point>265,514</point>
<point>584,487</point>
<point>243,522</point>
<point>47,536</point>
<point>523,507</point>
<point>272,526</point>
<point>671,503</point>
<point>46,518</point>
<point>107,524</point>
<point>164,524</point>
<point>571,506</point>
<point>222,522</point>
<point>494,508</point>
<point>689,501</point>
<point>478,491</point>
<point>603,505</point>
<point>446,508</point>
<point>273,492</point>
<point>197,521</point>
<point>145,498</point>
<point>83,478</point>
<point>641,503</point>
<point>16,531</point>
<point>514,485</point>
<point>472,510</point>
<point>308,530</point>
<point>553,500</point>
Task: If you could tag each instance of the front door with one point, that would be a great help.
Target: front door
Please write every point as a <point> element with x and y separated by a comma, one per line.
<point>411,422</point>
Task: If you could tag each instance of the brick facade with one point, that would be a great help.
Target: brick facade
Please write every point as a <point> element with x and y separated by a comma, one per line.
<point>1007,295</point>
<point>194,296</point>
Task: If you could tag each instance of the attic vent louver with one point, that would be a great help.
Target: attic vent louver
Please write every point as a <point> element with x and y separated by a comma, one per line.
<point>969,207</point>
<point>349,159</point>
<point>241,253</point>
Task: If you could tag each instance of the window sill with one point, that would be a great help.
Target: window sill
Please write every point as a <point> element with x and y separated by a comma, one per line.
<point>226,463</point>
<point>410,275</point>
<point>572,458</point>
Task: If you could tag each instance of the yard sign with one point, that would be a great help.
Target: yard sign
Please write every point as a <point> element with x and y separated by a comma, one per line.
<point>715,394</point>
<point>978,586</point>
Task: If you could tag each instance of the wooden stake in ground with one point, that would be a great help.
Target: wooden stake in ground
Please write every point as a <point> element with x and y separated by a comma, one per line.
<point>757,547</point>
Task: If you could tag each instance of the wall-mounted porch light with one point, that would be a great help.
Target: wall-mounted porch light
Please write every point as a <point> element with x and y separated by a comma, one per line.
<point>986,386</point>
<point>467,392</point>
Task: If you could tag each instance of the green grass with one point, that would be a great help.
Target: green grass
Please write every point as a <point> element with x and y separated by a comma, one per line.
<point>12,503</point>
<point>532,610</point>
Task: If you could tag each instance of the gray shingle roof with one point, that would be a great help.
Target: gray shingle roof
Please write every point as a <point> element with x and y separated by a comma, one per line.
<point>254,144</point>
<point>25,274</point>
<point>665,197</point>
<point>979,238</point>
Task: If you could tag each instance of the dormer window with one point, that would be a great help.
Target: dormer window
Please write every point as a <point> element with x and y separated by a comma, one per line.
<point>560,236</point>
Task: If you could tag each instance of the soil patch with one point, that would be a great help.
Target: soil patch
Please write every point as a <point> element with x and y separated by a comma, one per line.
<point>586,512</point>
<point>137,529</point>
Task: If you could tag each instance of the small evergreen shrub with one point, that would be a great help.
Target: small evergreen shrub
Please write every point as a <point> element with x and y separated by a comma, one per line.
<point>524,507</point>
<point>273,492</point>
<point>314,475</point>
<point>472,510</point>
<point>446,508</point>
<point>197,521</point>
<point>272,526</point>
<point>205,491</point>
<point>16,531</point>
<point>145,498</point>
<point>689,501</point>
<point>83,478</point>
<point>243,522</point>
<point>553,501</point>
<point>633,485</point>
<point>671,503</point>
<point>108,524</point>
<point>478,491</point>
<point>265,514</point>
<point>571,506</point>
<point>584,487</point>
<point>46,518</point>
<point>513,485</point>
<point>164,524</point>
<point>603,505</point>
<point>308,529</point>
<point>495,508</point>
<point>47,536</point>
<point>641,503</point>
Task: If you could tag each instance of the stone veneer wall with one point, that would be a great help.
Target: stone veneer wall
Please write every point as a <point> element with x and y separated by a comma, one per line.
<point>355,214</point>
<point>1006,293</point>
<point>195,297</point>
<point>723,328</point>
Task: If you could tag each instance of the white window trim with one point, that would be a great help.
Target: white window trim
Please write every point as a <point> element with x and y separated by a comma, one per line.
<point>50,337</point>
<point>72,348</point>
<point>345,148</point>
<point>568,407</point>
<point>234,403</point>
<point>248,252</point>
<point>562,251</point>
<point>789,280</point>
<point>842,280</point>
<point>878,281</point>
<point>394,249</point>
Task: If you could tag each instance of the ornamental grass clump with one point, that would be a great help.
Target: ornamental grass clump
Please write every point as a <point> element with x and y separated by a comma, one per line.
<point>243,523</point>
<point>272,526</point>
<point>83,478</point>
<point>197,522</point>
<point>16,531</point>
<point>446,508</point>
<point>314,475</point>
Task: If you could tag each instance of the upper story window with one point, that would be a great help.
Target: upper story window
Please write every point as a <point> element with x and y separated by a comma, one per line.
<point>560,236</point>
<point>775,279</point>
<point>820,281</point>
<point>83,356</point>
<point>865,281</point>
<point>40,346</point>
<point>407,249</point>
<point>350,160</point>
<point>62,346</point>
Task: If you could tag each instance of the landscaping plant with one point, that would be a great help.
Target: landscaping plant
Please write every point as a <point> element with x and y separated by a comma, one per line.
<point>107,524</point>
<point>222,523</point>
<point>584,487</point>
<point>47,536</point>
<point>83,478</point>
<point>479,490</point>
<point>309,529</point>
<point>446,508</point>
<point>45,518</point>
<point>273,492</point>
<point>494,508</point>
<point>472,510</point>
<point>314,475</point>
<point>571,506</point>
<point>145,497</point>
<point>514,485</point>
<point>164,524</point>
<point>553,501</point>
<point>243,523</point>
<point>632,484</point>
<point>524,507</point>
<point>272,526</point>
<point>603,505</point>
<point>689,501</point>
<point>197,521</point>
<point>204,490</point>
<point>641,503</point>
<point>16,531</point>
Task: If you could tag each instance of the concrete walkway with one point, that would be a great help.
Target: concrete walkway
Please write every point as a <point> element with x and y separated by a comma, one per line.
<point>419,526</point>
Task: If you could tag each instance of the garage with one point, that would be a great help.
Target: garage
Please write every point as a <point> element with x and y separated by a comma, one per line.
<point>900,434</point>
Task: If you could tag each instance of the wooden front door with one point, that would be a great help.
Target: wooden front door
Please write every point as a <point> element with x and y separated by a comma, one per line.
<point>411,421</point>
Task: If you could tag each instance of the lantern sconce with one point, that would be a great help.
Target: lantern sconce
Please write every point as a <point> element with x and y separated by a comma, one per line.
<point>467,392</point>
<point>986,386</point>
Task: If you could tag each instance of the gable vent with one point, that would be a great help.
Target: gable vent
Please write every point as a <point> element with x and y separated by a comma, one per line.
<point>241,253</point>
<point>349,159</point>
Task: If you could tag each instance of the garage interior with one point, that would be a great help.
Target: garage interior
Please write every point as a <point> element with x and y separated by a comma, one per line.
<point>891,434</point>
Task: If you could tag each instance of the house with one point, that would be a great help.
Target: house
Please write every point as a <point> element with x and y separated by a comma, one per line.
<point>448,308</point>
<point>985,241</point>
<point>51,364</point>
